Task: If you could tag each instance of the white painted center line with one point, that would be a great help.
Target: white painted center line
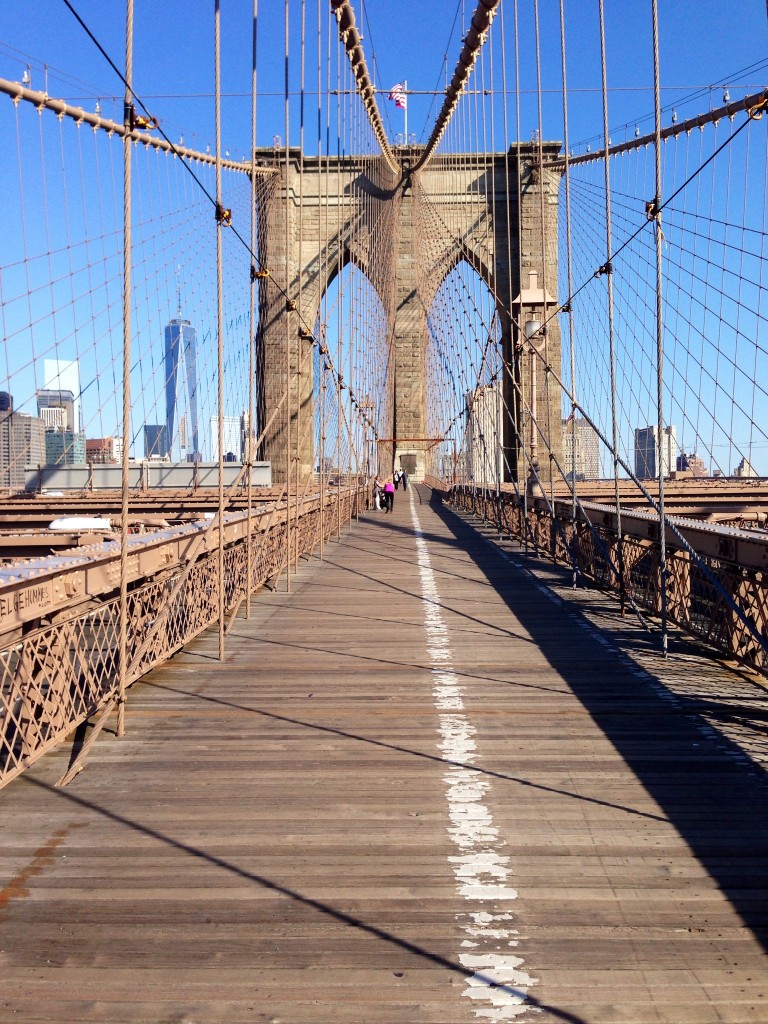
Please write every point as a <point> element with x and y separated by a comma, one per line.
<point>497,985</point>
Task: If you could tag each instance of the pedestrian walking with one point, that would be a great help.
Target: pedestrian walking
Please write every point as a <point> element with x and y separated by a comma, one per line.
<point>378,493</point>
<point>397,478</point>
<point>389,496</point>
<point>404,479</point>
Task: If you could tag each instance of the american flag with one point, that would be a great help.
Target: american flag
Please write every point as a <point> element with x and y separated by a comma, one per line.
<point>397,93</point>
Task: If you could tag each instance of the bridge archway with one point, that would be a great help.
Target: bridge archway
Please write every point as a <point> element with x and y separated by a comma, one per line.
<point>406,236</point>
<point>465,368</point>
<point>352,373</point>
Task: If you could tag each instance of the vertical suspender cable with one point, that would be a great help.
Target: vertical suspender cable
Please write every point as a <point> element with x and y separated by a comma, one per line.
<point>220,313</point>
<point>659,330</point>
<point>542,216</point>
<point>520,405</point>
<point>127,143</point>
<point>299,352</point>
<point>340,307</point>
<point>609,281</point>
<point>569,265</point>
<point>508,424</point>
<point>321,282</point>
<point>288,403</point>
<point>252,322</point>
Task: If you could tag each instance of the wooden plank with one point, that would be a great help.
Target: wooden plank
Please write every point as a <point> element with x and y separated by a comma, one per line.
<point>272,840</point>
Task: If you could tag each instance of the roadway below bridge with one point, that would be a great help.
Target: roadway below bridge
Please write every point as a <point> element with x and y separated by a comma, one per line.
<point>737,501</point>
<point>431,785</point>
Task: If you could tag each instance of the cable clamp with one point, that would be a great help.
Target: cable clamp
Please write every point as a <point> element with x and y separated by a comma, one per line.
<point>566,308</point>
<point>290,306</point>
<point>223,216</point>
<point>756,112</point>
<point>652,211</point>
<point>258,274</point>
<point>607,268</point>
<point>306,335</point>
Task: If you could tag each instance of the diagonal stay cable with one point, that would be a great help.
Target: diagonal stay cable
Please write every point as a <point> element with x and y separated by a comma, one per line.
<point>140,102</point>
<point>741,613</point>
<point>175,150</point>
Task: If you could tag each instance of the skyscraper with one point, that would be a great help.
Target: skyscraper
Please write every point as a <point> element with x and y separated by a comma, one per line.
<point>56,408</point>
<point>22,444</point>
<point>156,441</point>
<point>64,375</point>
<point>587,450</point>
<point>646,443</point>
<point>181,337</point>
<point>64,448</point>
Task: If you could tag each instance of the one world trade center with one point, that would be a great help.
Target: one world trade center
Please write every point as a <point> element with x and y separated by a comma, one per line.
<point>180,337</point>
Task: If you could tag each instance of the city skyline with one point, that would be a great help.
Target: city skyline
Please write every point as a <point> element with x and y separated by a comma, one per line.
<point>86,326</point>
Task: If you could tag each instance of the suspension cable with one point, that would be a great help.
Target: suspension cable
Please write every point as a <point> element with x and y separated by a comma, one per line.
<point>476,36</point>
<point>569,278</point>
<point>611,338</point>
<point>350,37</point>
<point>655,212</point>
<point>125,471</point>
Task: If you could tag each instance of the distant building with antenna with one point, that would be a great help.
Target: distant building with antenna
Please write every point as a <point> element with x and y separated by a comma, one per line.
<point>181,340</point>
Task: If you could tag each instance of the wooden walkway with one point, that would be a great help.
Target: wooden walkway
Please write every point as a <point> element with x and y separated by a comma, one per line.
<point>420,789</point>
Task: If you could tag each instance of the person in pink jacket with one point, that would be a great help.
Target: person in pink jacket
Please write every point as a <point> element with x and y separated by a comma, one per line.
<point>389,496</point>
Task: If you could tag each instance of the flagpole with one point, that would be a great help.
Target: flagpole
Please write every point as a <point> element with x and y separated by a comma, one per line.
<point>405,93</point>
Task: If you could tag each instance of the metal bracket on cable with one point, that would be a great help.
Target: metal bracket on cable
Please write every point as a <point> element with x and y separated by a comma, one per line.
<point>653,212</point>
<point>290,305</point>
<point>258,274</point>
<point>757,111</point>
<point>132,120</point>
<point>607,268</point>
<point>223,216</point>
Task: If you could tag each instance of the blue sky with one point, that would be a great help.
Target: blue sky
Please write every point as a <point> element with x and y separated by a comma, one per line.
<point>703,43</point>
<point>704,47</point>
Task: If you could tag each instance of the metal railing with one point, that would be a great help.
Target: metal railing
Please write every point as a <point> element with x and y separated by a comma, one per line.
<point>719,595</point>
<point>56,676</point>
